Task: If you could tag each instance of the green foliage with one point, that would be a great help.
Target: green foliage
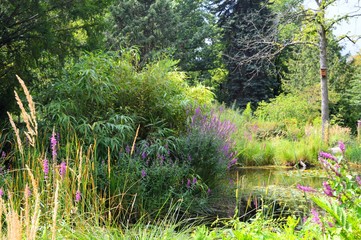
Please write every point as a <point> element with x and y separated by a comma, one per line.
<point>105,96</point>
<point>183,30</point>
<point>287,108</point>
<point>207,146</point>
<point>36,37</point>
<point>250,78</point>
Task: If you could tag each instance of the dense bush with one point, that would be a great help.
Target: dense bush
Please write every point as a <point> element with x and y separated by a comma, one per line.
<point>284,108</point>
<point>208,146</point>
<point>106,96</point>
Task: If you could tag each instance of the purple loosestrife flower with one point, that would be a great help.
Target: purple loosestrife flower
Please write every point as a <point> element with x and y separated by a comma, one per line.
<point>143,173</point>
<point>77,196</point>
<point>208,191</point>
<point>232,162</point>
<point>306,188</point>
<point>342,147</point>
<point>62,169</point>
<point>358,180</point>
<point>53,143</point>
<point>144,155</point>
<point>3,154</point>
<point>127,149</point>
<point>327,189</point>
<point>326,155</point>
<point>315,217</point>
<point>188,183</point>
<point>1,192</point>
<point>194,180</point>
<point>46,167</point>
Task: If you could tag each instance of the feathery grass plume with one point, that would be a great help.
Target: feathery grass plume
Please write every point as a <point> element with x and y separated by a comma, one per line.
<point>27,210</point>
<point>14,226</point>
<point>36,213</point>
<point>31,105</point>
<point>16,130</point>
<point>29,119</point>
<point>55,211</point>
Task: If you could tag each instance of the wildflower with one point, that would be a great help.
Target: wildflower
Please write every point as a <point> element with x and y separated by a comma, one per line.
<point>3,154</point>
<point>1,192</point>
<point>326,155</point>
<point>342,147</point>
<point>232,162</point>
<point>315,217</point>
<point>358,180</point>
<point>127,149</point>
<point>46,168</point>
<point>306,188</point>
<point>77,196</point>
<point>53,143</point>
<point>144,155</point>
<point>62,169</point>
<point>208,191</point>
<point>327,189</point>
<point>144,173</point>
<point>188,183</point>
<point>194,180</point>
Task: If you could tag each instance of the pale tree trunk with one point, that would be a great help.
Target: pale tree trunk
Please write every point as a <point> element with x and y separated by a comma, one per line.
<point>324,87</point>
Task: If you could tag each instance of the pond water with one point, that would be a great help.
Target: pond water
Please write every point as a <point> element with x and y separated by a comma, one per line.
<point>282,177</point>
<point>275,187</point>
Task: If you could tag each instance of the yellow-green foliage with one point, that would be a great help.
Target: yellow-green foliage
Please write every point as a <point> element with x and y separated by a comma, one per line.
<point>100,85</point>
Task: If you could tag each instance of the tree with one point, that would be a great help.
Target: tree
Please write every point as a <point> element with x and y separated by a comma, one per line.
<point>242,22</point>
<point>181,29</point>
<point>41,34</point>
<point>267,45</point>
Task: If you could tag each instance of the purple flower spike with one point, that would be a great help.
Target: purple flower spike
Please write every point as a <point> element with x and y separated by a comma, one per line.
<point>342,147</point>
<point>194,180</point>
<point>1,192</point>
<point>327,189</point>
<point>306,188</point>
<point>326,155</point>
<point>358,180</point>
<point>209,191</point>
<point>315,217</point>
<point>3,154</point>
<point>144,155</point>
<point>127,149</point>
<point>62,169</point>
<point>188,183</point>
<point>53,143</point>
<point>77,196</point>
<point>143,173</point>
<point>46,168</point>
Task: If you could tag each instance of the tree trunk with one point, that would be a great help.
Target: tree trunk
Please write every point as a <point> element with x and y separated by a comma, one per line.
<point>324,87</point>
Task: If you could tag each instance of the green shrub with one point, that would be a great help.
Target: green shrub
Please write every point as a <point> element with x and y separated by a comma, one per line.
<point>106,96</point>
<point>208,146</point>
<point>283,107</point>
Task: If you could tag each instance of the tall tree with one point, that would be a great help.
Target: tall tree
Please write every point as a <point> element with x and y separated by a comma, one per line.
<point>182,29</point>
<point>242,22</point>
<point>37,34</point>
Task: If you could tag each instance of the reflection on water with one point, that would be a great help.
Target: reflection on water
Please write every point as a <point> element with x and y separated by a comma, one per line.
<point>270,176</point>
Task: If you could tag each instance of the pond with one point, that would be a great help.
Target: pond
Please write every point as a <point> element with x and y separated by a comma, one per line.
<point>275,189</point>
<point>283,177</point>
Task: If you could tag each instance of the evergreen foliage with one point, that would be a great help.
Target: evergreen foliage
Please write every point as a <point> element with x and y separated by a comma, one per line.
<point>241,22</point>
<point>36,37</point>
